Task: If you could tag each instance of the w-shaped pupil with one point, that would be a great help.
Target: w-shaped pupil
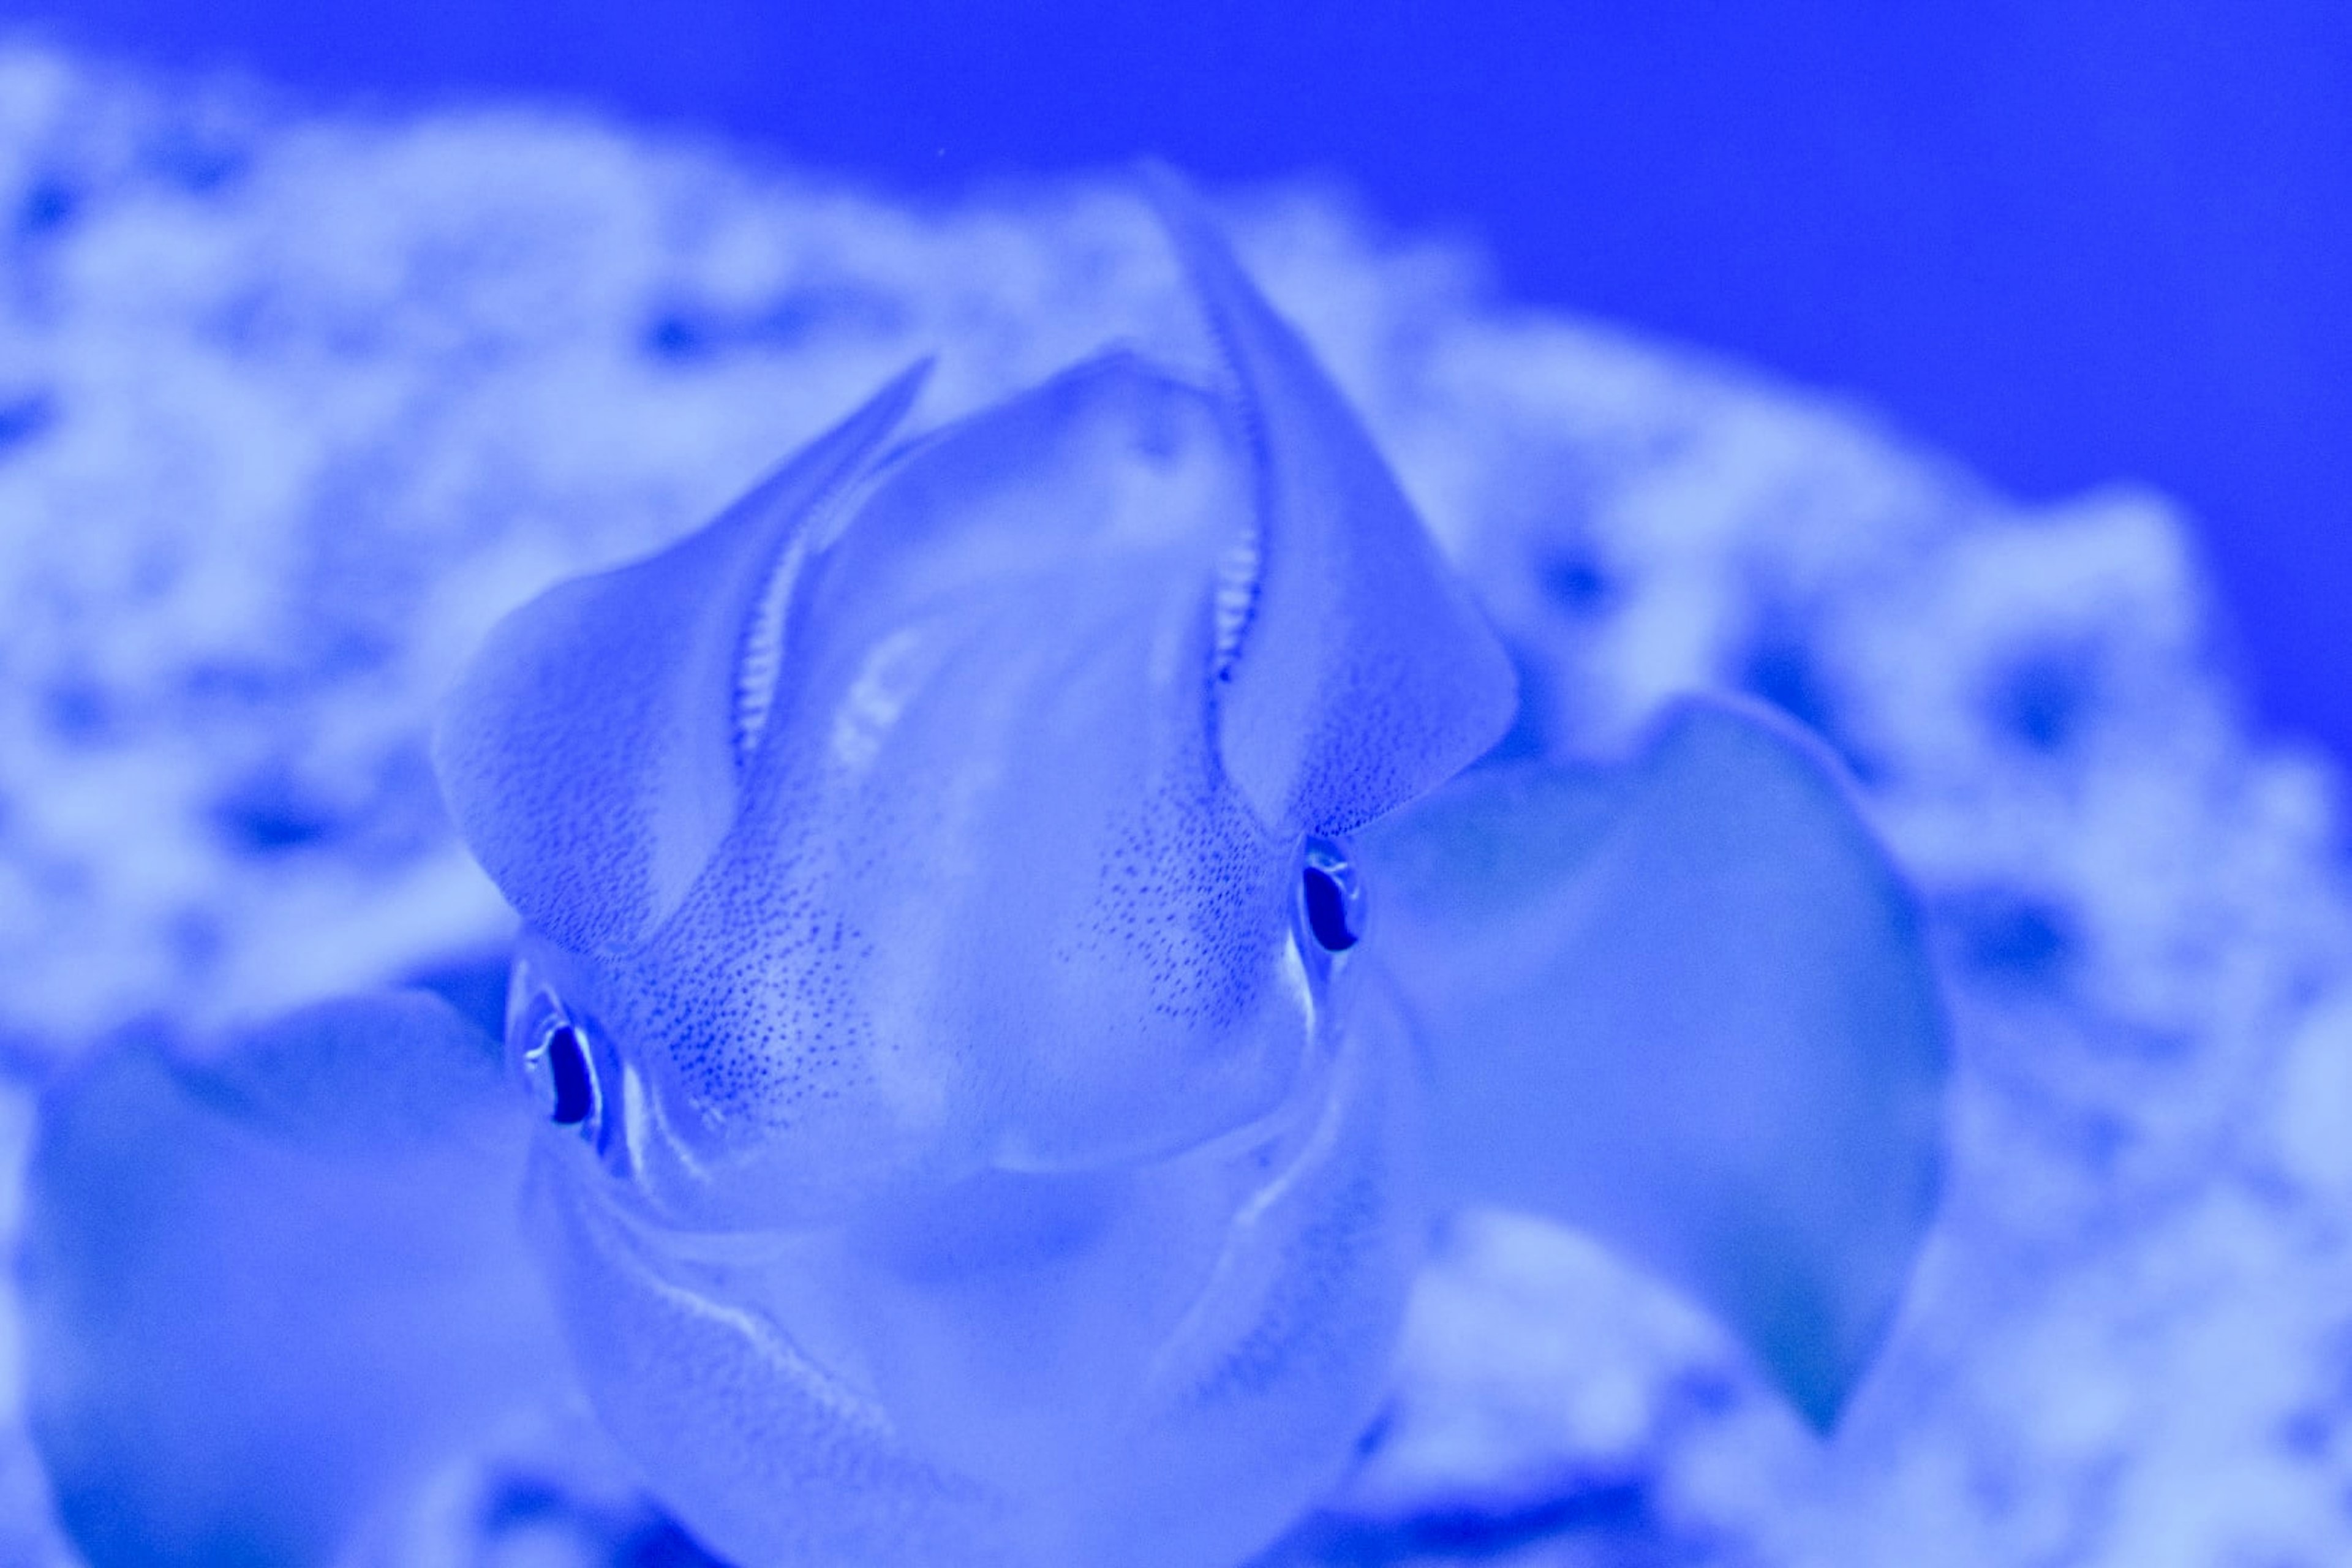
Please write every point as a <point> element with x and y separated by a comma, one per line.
<point>567,1066</point>
<point>1327,910</point>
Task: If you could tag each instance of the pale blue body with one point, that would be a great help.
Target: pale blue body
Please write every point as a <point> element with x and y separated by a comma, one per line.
<point>1007,980</point>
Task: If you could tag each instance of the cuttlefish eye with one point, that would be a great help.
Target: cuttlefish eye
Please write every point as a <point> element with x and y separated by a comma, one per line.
<point>574,1080</point>
<point>563,1070</point>
<point>1330,895</point>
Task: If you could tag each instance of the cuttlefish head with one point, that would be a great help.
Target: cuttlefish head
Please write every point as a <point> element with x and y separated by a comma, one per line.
<point>975,803</point>
<point>961,1141</point>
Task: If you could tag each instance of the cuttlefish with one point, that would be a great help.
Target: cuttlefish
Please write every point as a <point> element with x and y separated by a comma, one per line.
<point>1018,944</point>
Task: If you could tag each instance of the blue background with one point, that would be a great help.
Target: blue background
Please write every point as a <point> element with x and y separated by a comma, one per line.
<point>2069,242</point>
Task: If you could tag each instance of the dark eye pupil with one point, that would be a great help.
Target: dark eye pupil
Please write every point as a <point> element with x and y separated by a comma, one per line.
<point>567,1066</point>
<point>1327,910</point>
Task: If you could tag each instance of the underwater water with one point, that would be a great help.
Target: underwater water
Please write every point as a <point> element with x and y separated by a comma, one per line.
<point>293,409</point>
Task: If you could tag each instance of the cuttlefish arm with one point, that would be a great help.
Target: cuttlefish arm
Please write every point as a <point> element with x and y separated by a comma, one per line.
<point>264,1296</point>
<point>1358,674</point>
<point>624,690</point>
<point>1683,1004</point>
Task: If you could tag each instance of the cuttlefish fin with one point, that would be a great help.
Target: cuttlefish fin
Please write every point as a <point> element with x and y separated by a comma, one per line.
<point>263,1296</point>
<point>1356,673</point>
<point>592,754</point>
<point>1685,1004</point>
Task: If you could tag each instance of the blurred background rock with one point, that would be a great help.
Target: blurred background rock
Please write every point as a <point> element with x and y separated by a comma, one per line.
<point>2069,242</point>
